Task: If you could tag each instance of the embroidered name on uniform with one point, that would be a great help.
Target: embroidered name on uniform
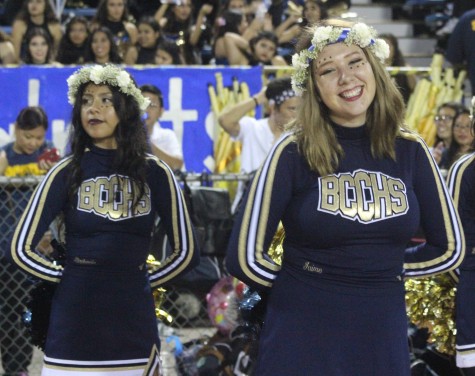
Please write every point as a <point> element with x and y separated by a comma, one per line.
<point>83,261</point>
<point>111,197</point>
<point>312,268</point>
<point>364,196</point>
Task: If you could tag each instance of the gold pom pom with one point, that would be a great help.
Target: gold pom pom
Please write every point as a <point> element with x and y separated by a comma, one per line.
<point>430,304</point>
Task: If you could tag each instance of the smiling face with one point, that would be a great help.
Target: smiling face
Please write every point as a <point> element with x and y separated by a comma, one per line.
<point>98,116</point>
<point>345,82</point>
<point>101,47</point>
<point>443,122</point>
<point>463,131</point>
<point>38,47</point>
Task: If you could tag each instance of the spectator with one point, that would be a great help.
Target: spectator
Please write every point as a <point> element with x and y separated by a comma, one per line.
<point>114,15</point>
<point>230,21</point>
<point>261,50</point>
<point>258,135</point>
<point>168,53</point>
<point>460,50</point>
<point>39,50</point>
<point>163,142</point>
<point>18,158</point>
<point>100,47</point>
<point>7,51</point>
<point>72,47</point>
<point>406,83</point>
<point>462,139</point>
<point>148,38</point>
<point>35,13</point>
<point>290,29</point>
<point>178,25</point>
<point>444,120</point>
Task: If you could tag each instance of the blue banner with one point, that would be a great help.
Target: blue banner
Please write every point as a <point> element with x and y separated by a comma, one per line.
<point>185,93</point>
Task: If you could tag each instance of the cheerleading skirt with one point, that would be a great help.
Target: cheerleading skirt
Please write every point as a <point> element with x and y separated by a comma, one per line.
<point>102,322</point>
<point>322,327</point>
<point>464,319</point>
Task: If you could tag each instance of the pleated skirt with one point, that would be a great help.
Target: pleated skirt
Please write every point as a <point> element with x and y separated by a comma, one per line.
<point>325,328</point>
<point>102,323</point>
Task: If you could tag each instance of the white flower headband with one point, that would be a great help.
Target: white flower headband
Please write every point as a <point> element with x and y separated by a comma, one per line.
<point>106,75</point>
<point>360,34</point>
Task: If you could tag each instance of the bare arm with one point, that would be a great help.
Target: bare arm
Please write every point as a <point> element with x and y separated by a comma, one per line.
<point>160,13</point>
<point>197,30</point>
<point>229,119</point>
<point>18,32</point>
<point>131,56</point>
<point>133,32</point>
<point>236,48</point>
<point>3,162</point>
<point>56,33</point>
<point>7,53</point>
<point>174,162</point>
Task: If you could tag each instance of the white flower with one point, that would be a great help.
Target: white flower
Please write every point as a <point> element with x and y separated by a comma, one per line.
<point>381,49</point>
<point>109,74</point>
<point>321,34</point>
<point>362,34</point>
<point>96,74</point>
<point>359,34</point>
<point>298,62</point>
<point>123,79</point>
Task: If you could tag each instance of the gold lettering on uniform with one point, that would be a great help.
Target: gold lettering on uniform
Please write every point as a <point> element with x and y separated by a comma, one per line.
<point>86,195</point>
<point>382,196</point>
<point>330,198</point>
<point>112,197</point>
<point>364,195</point>
<point>348,198</point>
<point>398,194</point>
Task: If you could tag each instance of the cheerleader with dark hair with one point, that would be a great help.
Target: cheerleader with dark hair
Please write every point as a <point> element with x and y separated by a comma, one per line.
<point>109,192</point>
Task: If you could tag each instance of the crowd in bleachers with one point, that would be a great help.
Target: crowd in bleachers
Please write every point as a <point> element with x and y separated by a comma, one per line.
<point>166,32</point>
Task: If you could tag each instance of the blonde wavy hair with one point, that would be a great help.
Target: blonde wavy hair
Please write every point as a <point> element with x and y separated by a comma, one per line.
<point>315,136</point>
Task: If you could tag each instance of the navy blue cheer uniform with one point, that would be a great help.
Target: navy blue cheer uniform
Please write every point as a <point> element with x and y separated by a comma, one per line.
<point>461,182</point>
<point>103,315</point>
<point>336,305</point>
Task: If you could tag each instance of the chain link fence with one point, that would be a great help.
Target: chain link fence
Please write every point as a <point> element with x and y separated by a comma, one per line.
<point>185,300</point>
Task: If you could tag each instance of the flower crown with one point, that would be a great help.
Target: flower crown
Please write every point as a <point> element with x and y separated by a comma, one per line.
<point>359,34</point>
<point>106,75</point>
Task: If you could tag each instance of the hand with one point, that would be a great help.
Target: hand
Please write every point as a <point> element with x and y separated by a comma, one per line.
<point>261,96</point>
<point>46,165</point>
<point>437,151</point>
<point>206,9</point>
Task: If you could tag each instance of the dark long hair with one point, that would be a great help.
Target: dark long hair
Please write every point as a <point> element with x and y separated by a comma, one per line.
<point>24,15</point>
<point>101,12</point>
<point>114,56</point>
<point>453,152</point>
<point>67,50</point>
<point>130,159</point>
<point>35,32</point>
